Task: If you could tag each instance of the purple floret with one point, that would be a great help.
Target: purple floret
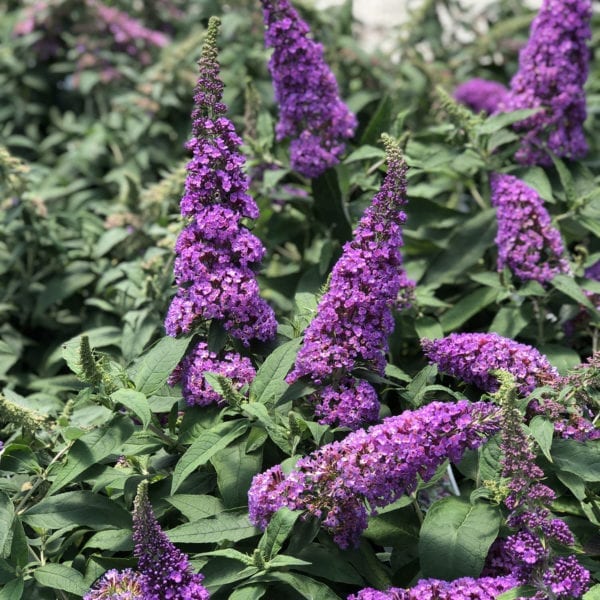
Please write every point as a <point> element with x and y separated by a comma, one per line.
<point>117,585</point>
<point>471,357</point>
<point>354,317</point>
<point>481,95</point>
<point>311,112</point>
<point>527,243</point>
<point>372,468</point>
<point>553,68</point>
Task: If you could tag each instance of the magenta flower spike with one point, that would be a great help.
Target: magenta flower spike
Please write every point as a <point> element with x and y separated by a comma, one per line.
<point>553,68</point>
<point>311,112</point>
<point>527,242</point>
<point>373,467</point>
<point>354,317</point>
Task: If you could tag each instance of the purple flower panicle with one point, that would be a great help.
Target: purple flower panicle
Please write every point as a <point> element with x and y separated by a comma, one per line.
<point>311,112</point>
<point>471,357</point>
<point>354,317</point>
<point>167,573</point>
<point>553,68</point>
<point>481,95</point>
<point>191,369</point>
<point>216,254</point>
<point>372,468</point>
<point>527,242</point>
<point>465,588</point>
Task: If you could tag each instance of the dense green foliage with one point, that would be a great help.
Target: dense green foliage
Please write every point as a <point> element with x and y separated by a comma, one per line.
<point>89,189</point>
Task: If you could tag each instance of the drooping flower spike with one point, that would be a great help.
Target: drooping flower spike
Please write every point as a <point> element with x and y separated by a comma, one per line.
<point>354,316</point>
<point>527,242</point>
<point>311,112</point>
<point>373,467</point>
<point>473,356</point>
<point>553,68</point>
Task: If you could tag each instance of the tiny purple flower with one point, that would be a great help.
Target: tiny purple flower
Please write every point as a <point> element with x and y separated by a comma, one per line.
<point>481,95</point>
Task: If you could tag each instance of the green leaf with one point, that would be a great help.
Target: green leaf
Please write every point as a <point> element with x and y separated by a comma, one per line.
<point>136,402</point>
<point>536,178</point>
<point>329,563</point>
<point>456,536</point>
<point>473,237</point>
<point>7,513</point>
<point>364,153</point>
<point>231,526</point>
<point>77,508</point>
<point>523,591</point>
<point>278,530</point>
<point>496,122</point>
<point>196,506</point>
<point>254,591</point>
<point>60,288</point>
<point>428,327</point>
<point>329,205</point>
<point>398,528</point>
<point>379,123</point>
<point>98,337</point>
<point>542,431</point>
<point>567,286</point>
<point>90,449</point>
<point>593,593</point>
<point>566,179</point>
<point>561,357</point>
<point>19,550</point>
<point>233,554</point>
<point>305,586</point>
<point>154,368</point>
<point>581,458</point>
<point>282,561</point>
<point>269,383</point>
<point>511,320</point>
<point>108,240</point>
<point>467,307</point>
<point>13,590</point>
<point>61,577</point>
<point>235,470</point>
<point>205,447</point>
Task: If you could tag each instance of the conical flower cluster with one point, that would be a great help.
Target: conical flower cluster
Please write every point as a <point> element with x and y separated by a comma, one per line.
<point>354,317</point>
<point>374,467</point>
<point>311,112</point>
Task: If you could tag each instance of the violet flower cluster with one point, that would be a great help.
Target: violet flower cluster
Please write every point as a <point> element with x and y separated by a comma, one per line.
<point>527,243</point>
<point>215,252</point>
<point>527,554</point>
<point>481,95</point>
<point>553,68</point>
<point>196,390</point>
<point>163,572</point>
<point>472,356</point>
<point>311,112</point>
<point>100,31</point>
<point>372,468</point>
<point>354,317</point>
<point>465,588</point>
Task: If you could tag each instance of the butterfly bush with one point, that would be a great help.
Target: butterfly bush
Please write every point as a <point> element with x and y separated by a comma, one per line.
<point>527,554</point>
<point>481,95</point>
<point>553,68</point>
<point>465,588</point>
<point>372,468</point>
<point>473,356</point>
<point>163,572</point>
<point>354,316</point>
<point>311,112</point>
<point>527,242</point>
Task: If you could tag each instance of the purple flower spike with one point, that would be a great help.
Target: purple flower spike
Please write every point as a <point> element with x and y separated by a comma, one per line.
<point>117,585</point>
<point>481,95</point>
<point>527,242</point>
<point>311,112</point>
<point>372,468</point>
<point>167,573</point>
<point>471,357</point>
<point>216,254</point>
<point>465,588</point>
<point>190,371</point>
<point>354,317</point>
<point>553,68</point>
